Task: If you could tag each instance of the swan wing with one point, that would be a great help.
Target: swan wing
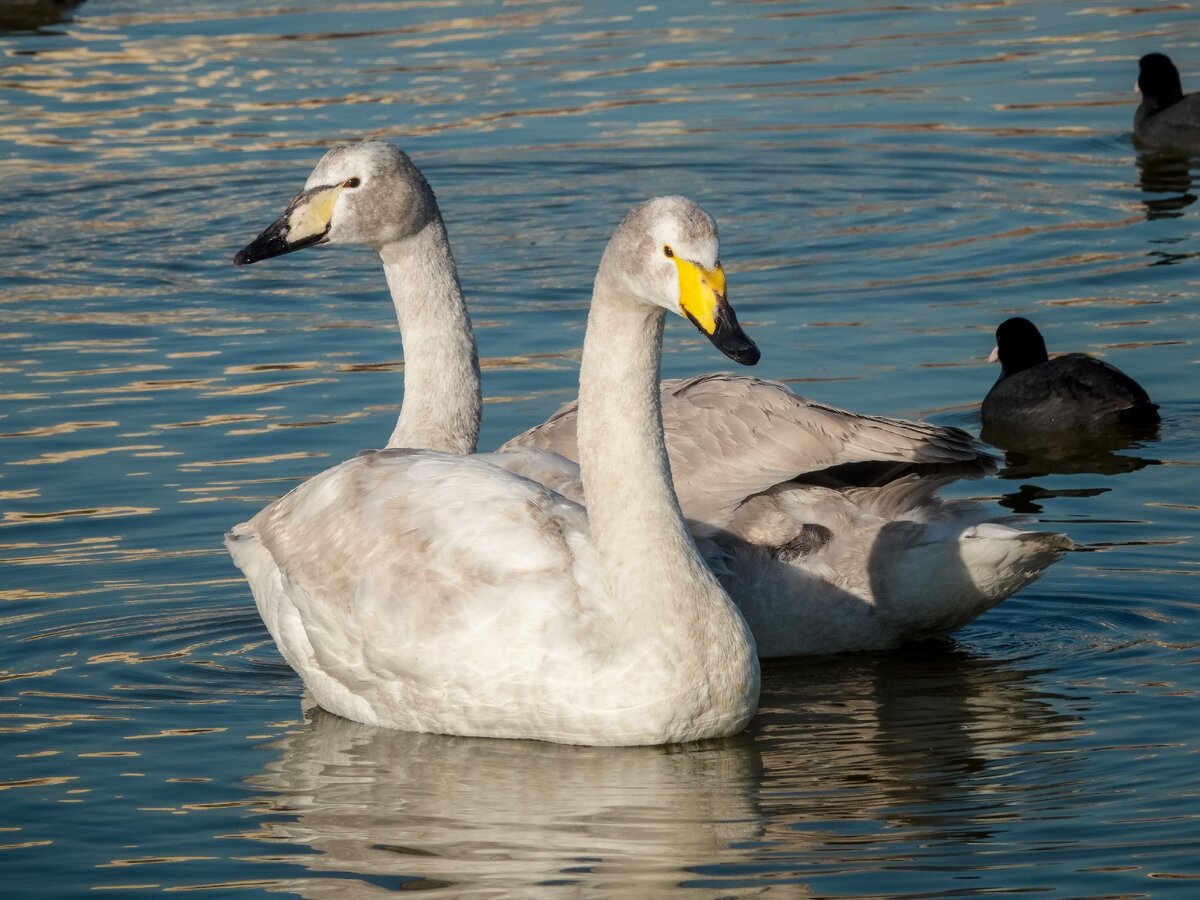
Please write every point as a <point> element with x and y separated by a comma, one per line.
<point>730,437</point>
<point>547,468</point>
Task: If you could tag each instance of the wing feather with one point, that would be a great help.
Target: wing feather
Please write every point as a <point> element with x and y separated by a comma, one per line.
<point>730,437</point>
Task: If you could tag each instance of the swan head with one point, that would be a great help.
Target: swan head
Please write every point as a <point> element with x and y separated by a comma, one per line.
<point>369,193</point>
<point>667,253</point>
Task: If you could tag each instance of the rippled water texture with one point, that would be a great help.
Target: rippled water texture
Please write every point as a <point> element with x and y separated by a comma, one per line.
<point>891,182</point>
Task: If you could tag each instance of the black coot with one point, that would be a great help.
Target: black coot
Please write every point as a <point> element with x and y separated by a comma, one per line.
<point>1037,395</point>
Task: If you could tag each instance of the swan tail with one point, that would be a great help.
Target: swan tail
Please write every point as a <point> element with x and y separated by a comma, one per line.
<point>955,574</point>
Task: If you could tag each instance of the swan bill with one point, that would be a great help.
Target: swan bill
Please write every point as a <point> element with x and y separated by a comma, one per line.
<point>305,222</point>
<point>702,301</point>
<point>731,340</point>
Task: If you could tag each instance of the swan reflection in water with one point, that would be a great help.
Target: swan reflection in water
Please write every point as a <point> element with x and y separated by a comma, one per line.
<point>902,746</point>
<point>920,745</point>
<point>476,815</point>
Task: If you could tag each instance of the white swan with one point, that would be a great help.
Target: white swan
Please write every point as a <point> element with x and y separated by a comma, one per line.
<point>383,201</point>
<point>807,566</point>
<point>420,590</point>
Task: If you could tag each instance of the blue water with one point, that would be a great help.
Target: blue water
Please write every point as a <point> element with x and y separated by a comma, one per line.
<point>890,182</point>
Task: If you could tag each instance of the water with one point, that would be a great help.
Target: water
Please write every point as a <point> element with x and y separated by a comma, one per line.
<point>891,182</point>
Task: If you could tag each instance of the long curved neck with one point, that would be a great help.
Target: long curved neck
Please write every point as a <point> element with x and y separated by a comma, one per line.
<point>442,401</point>
<point>648,555</point>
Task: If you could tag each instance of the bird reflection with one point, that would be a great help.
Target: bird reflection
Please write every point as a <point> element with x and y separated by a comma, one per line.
<point>1028,498</point>
<point>923,744</point>
<point>1164,173</point>
<point>917,737</point>
<point>33,15</point>
<point>388,810</point>
<point>1098,452</point>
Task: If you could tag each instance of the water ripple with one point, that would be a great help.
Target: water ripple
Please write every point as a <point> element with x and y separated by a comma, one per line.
<point>891,182</point>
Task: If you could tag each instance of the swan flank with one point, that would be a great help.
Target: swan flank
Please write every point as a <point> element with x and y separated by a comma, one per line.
<point>425,591</point>
<point>763,476</point>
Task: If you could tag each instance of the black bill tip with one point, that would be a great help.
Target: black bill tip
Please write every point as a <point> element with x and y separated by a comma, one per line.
<point>272,242</point>
<point>729,338</point>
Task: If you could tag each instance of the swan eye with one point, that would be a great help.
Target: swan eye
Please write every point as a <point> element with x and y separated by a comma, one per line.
<point>668,252</point>
<point>352,182</point>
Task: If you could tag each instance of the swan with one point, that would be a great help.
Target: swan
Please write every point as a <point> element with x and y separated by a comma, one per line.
<point>1036,395</point>
<point>1166,117</point>
<point>747,427</point>
<point>816,570</point>
<point>745,453</point>
<point>818,565</point>
<point>433,592</point>
<point>382,200</point>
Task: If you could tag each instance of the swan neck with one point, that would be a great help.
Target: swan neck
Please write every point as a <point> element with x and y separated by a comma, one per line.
<point>442,399</point>
<point>636,526</point>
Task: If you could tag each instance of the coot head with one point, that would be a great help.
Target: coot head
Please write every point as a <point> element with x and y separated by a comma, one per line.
<point>1019,345</point>
<point>1158,80</point>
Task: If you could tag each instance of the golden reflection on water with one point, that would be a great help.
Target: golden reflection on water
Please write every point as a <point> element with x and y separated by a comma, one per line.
<point>251,460</point>
<point>63,456</point>
<point>153,96</point>
<point>60,428</point>
<point>143,142</point>
<point>103,512</point>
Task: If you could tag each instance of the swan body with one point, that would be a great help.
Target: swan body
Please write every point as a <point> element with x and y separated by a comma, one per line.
<point>1036,395</point>
<point>434,592</point>
<point>745,454</point>
<point>1166,117</point>
<point>817,570</point>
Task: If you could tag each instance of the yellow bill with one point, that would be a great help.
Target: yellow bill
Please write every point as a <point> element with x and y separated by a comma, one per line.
<point>702,299</point>
<point>700,292</point>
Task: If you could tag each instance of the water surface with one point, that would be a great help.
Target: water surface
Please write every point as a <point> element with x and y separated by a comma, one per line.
<point>890,183</point>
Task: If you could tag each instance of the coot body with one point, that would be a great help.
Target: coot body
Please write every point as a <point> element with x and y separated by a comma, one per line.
<point>1037,395</point>
<point>1166,117</point>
